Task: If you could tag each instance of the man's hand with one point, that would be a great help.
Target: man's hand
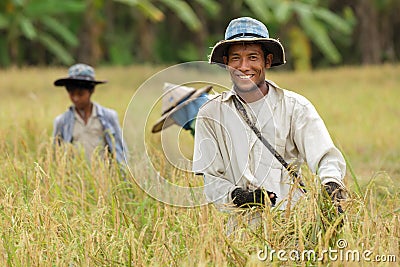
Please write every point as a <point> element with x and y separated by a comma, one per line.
<point>246,198</point>
<point>337,194</point>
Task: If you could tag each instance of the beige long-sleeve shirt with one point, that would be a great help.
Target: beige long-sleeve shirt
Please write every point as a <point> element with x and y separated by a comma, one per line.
<point>229,154</point>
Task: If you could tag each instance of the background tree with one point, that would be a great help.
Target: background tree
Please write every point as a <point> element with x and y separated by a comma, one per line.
<point>374,40</point>
<point>377,21</point>
<point>315,33</point>
<point>303,22</point>
<point>38,23</point>
<point>171,30</point>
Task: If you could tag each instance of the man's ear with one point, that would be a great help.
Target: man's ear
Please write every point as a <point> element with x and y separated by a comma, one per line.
<point>225,59</point>
<point>268,61</point>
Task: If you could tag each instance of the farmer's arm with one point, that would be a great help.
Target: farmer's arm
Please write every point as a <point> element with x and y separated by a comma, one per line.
<point>316,146</point>
<point>56,126</point>
<point>208,161</point>
<point>120,146</point>
<point>57,130</point>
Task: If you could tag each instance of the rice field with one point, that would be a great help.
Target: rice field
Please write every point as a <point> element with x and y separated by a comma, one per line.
<point>58,209</point>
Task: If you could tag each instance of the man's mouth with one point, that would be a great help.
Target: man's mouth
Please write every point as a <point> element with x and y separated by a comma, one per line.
<point>245,77</point>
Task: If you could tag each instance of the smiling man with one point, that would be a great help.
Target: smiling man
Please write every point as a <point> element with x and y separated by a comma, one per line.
<point>87,124</point>
<point>245,136</point>
<point>247,66</point>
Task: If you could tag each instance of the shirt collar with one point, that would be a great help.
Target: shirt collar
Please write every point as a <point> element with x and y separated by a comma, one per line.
<point>94,111</point>
<point>99,110</point>
<point>272,95</point>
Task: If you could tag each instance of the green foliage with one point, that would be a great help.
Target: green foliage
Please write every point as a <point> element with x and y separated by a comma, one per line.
<point>315,29</point>
<point>300,49</point>
<point>119,54</point>
<point>188,53</point>
<point>180,8</point>
<point>283,12</point>
<point>212,7</point>
<point>262,9</point>
<point>56,48</point>
<point>334,20</point>
<point>34,21</point>
<point>328,27</point>
<point>38,8</point>
<point>184,12</point>
<point>315,20</point>
<point>167,46</point>
<point>4,57</point>
<point>3,21</point>
<point>146,7</point>
<point>60,30</point>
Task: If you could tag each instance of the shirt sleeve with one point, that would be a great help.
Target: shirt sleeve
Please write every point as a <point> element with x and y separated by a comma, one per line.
<point>57,129</point>
<point>120,146</point>
<point>316,146</point>
<point>208,161</point>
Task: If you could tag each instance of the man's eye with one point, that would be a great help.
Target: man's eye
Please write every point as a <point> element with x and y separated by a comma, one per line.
<point>253,57</point>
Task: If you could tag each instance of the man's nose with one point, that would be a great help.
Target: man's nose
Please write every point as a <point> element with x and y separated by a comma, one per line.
<point>244,65</point>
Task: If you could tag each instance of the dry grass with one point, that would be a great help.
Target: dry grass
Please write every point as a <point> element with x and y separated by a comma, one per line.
<point>56,210</point>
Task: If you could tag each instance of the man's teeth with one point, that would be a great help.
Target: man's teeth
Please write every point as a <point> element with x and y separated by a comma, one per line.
<point>245,76</point>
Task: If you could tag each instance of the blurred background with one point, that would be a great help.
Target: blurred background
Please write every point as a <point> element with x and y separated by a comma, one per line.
<point>315,33</point>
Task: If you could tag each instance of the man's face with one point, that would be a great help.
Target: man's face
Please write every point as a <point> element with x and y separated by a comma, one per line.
<point>247,65</point>
<point>80,97</point>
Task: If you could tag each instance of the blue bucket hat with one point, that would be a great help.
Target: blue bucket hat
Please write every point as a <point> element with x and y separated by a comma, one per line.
<point>79,74</point>
<point>246,29</point>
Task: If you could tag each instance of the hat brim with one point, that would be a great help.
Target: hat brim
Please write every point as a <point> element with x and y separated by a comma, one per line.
<point>166,120</point>
<point>71,81</point>
<point>271,45</point>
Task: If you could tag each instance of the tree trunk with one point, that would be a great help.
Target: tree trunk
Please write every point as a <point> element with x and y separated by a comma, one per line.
<point>389,19</point>
<point>387,37</point>
<point>89,50</point>
<point>109,12</point>
<point>145,32</point>
<point>368,29</point>
<point>201,35</point>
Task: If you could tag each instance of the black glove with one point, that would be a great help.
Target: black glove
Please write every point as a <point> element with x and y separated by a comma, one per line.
<point>249,198</point>
<point>337,194</point>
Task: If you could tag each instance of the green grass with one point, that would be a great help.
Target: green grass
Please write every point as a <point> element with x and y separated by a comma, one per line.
<point>56,210</point>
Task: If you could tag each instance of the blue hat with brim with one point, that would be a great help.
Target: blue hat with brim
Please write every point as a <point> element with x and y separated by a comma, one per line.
<point>81,74</point>
<point>246,29</point>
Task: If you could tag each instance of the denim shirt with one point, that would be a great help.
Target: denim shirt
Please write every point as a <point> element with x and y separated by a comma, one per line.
<point>64,126</point>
